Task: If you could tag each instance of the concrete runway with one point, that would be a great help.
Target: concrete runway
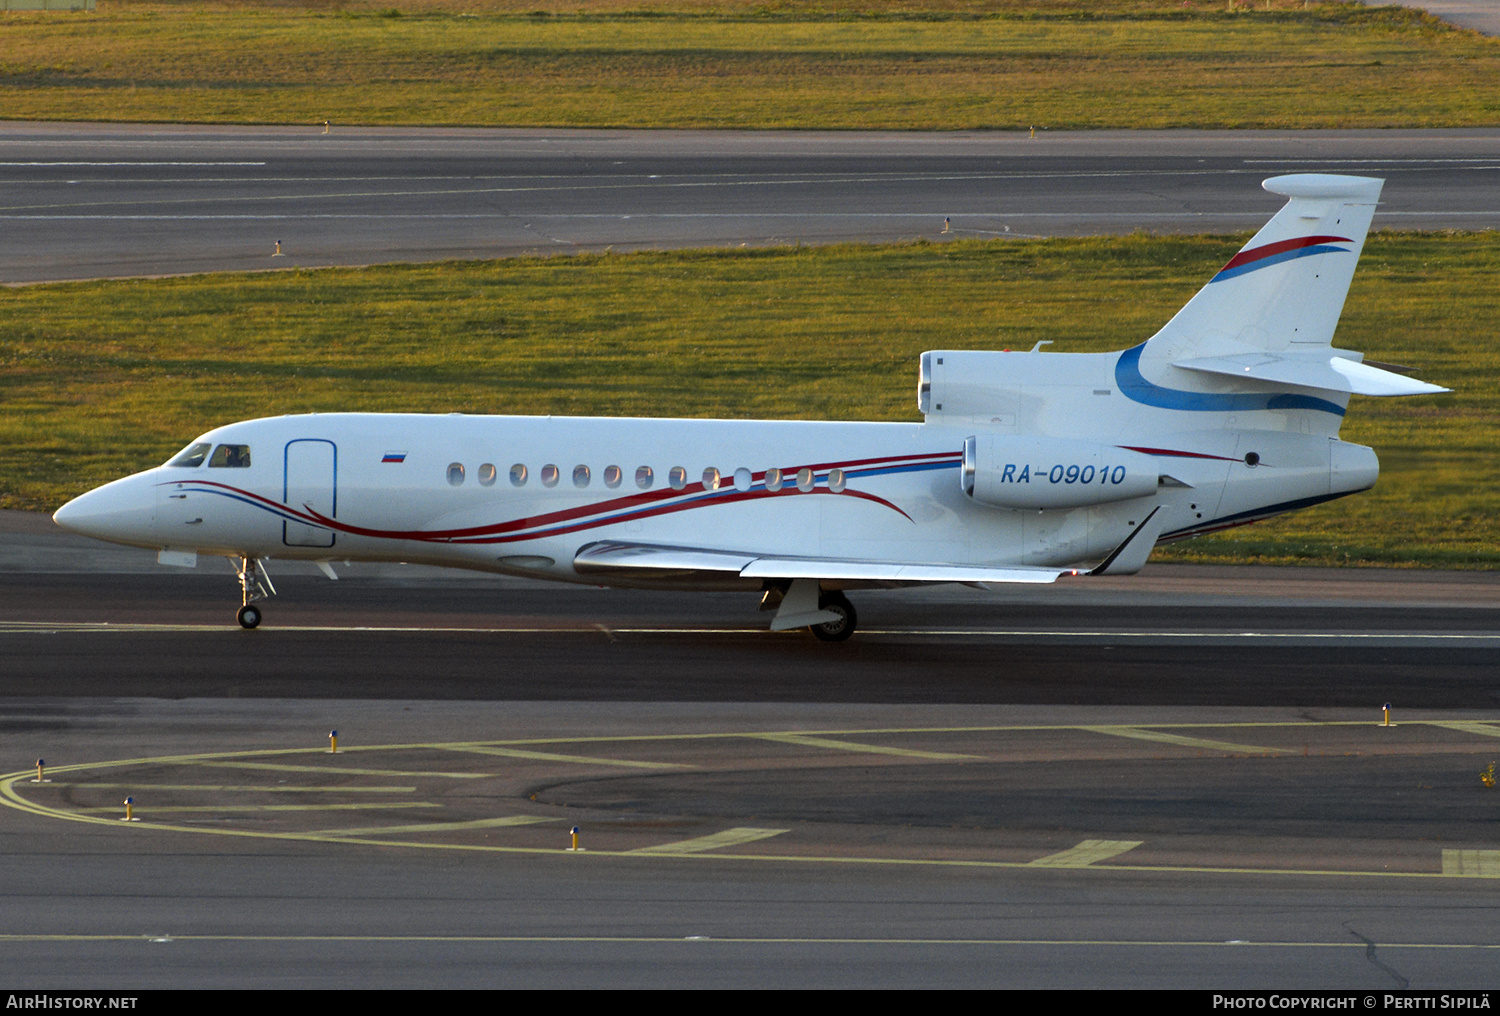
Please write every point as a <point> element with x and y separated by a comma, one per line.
<point>982,790</point>
<point>1482,16</point>
<point>1177,779</point>
<point>84,201</point>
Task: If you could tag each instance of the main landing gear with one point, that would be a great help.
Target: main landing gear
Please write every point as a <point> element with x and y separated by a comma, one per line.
<point>255,584</point>
<point>835,631</point>
<point>803,603</point>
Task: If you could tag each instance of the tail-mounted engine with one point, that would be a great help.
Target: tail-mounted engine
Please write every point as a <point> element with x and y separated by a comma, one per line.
<point>1044,472</point>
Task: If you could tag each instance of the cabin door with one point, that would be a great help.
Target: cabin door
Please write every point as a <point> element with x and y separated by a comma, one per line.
<point>310,485</point>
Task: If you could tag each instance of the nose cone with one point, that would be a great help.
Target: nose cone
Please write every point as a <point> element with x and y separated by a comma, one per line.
<point>122,512</point>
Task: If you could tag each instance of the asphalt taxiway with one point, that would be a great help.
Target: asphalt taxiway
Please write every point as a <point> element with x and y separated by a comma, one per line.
<point>1178,779</point>
<point>1182,778</point>
<point>84,201</point>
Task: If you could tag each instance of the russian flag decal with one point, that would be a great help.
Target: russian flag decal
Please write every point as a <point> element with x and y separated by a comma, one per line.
<point>394,457</point>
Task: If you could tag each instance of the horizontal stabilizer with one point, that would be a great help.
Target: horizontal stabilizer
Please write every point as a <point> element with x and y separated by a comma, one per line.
<point>1330,373</point>
<point>650,560</point>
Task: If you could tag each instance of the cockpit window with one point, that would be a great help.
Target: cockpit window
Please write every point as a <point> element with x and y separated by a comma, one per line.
<point>192,456</point>
<point>233,456</point>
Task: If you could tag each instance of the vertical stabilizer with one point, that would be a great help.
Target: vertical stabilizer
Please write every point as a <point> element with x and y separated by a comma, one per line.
<point>1285,289</point>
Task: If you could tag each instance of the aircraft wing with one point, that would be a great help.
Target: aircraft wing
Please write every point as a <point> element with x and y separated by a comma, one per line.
<point>658,561</point>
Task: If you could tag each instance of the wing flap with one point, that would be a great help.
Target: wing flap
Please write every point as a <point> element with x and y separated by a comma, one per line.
<point>611,556</point>
<point>657,560</point>
<point>891,571</point>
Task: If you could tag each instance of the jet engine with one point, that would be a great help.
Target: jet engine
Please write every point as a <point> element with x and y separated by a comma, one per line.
<point>1045,472</point>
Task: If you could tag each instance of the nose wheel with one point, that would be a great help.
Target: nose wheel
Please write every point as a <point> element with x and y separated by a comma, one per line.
<point>255,584</point>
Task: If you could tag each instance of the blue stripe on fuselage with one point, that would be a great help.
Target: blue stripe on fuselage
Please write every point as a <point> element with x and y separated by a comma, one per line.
<point>1135,387</point>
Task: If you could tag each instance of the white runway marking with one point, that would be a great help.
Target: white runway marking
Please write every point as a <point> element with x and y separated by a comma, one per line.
<point>602,184</point>
<point>620,216</point>
<point>1360,162</point>
<point>1104,635</point>
<point>730,216</point>
<point>132,163</point>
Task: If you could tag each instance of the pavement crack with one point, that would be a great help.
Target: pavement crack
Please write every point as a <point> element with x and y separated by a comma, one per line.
<point>1401,982</point>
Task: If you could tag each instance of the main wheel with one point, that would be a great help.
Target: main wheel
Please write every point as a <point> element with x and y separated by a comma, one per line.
<point>249,616</point>
<point>836,631</point>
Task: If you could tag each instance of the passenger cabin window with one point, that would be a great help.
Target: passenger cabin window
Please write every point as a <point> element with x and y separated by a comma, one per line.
<point>804,479</point>
<point>580,476</point>
<point>231,456</point>
<point>518,475</point>
<point>773,479</point>
<point>743,479</point>
<point>612,476</point>
<point>192,456</point>
<point>644,477</point>
<point>486,474</point>
<point>836,480</point>
<point>710,478</point>
<point>456,474</point>
<point>677,477</point>
<point>549,475</point>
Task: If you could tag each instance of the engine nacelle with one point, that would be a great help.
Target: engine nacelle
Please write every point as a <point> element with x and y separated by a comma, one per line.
<point>1046,472</point>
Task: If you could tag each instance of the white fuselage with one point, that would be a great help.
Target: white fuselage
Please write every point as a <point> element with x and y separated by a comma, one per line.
<point>1026,465</point>
<point>439,490</point>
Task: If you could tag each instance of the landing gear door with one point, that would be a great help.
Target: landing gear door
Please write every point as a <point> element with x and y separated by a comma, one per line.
<point>310,482</point>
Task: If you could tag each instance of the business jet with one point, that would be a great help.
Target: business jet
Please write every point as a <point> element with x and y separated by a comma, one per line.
<point>1027,465</point>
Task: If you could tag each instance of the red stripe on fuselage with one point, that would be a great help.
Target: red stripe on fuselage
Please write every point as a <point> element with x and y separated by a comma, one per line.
<point>618,508</point>
<point>1176,454</point>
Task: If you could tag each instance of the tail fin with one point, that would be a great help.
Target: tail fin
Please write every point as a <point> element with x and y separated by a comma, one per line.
<point>1269,315</point>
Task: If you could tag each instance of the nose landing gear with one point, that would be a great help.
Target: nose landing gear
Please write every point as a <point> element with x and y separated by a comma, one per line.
<point>255,584</point>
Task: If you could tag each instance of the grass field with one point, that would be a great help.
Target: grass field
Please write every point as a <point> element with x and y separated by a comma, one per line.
<point>924,64</point>
<point>102,378</point>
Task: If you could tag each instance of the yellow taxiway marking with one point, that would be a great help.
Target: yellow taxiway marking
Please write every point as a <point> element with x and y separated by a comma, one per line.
<point>226,788</point>
<point>547,756</point>
<point>490,747</point>
<point>12,799</point>
<point>694,940</point>
<point>1085,854</point>
<point>728,838</point>
<point>1465,726</point>
<point>865,749</point>
<point>114,809</point>
<point>275,767</point>
<point>11,785</point>
<point>1485,863</point>
<point>842,732</point>
<point>1143,734</point>
<point>437,827</point>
